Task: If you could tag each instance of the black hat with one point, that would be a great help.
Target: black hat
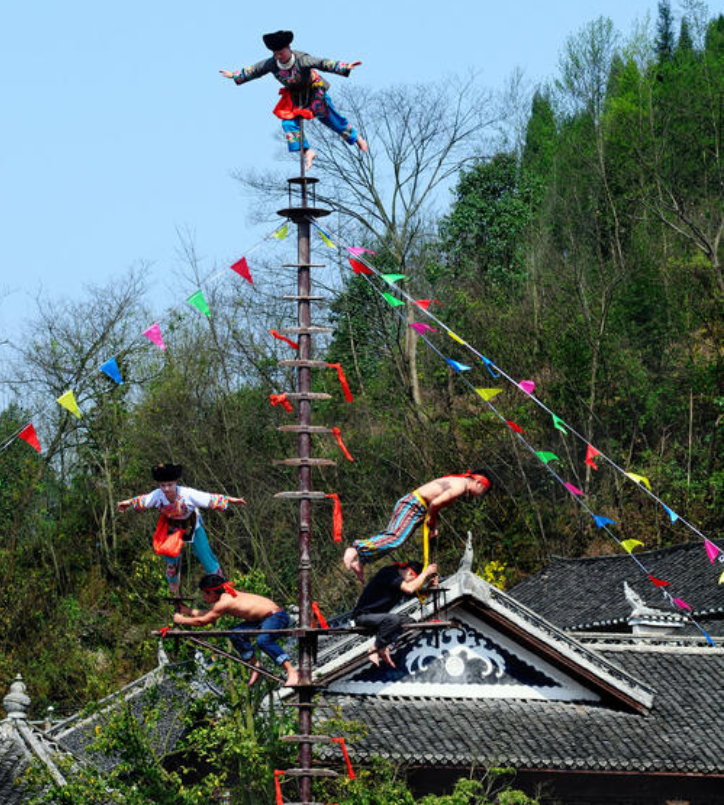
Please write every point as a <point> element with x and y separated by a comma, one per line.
<point>278,40</point>
<point>166,472</point>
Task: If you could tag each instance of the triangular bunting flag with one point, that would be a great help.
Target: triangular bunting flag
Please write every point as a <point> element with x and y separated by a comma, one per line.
<point>458,367</point>
<point>602,521</point>
<point>711,550</point>
<point>681,603</point>
<point>455,337</point>
<point>639,479</point>
<point>154,334</point>
<point>513,426</point>
<point>591,453</point>
<point>28,434</point>
<point>67,400</point>
<point>629,544</point>
<point>489,366</point>
<point>393,300</point>
<point>488,394</point>
<point>425,303</point>
<point>708,639</point>
<point>658,582</point>
<point>574,490</point>
<point>198,301</point>
<point>390,279</point>
<point>528,386</point>
<point>421,327</point>
<point>110,368</point>
<point>721,578</point>
<point>325,238</point>
<point>673,516</point>
<point>358,250</point>
<point>545,456</point>
<point>242,269</point>
<point>281,233</point>
<point>360,268</point>
<point>558,423</point>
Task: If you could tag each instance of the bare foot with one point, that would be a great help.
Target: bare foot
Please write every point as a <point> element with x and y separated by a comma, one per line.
<point>362,143</point>
<point>385,654</point>
<point>352,562</point>
<point>381,655</point>
<point>292,679</point>
<point>174,587</point>
<point>254,674</point>
<point>309,155</point>
<point>374,656</point>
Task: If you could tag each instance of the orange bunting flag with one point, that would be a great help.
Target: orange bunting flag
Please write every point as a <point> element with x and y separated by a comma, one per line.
<point>277,334</point>
<point>242,269</point>
<point>336,517</point>
<point>591,453</point>
<point>281,399</point>
<point>318,615</point>
<point>67,400</point>
<point>639,479</point>
<point>658,582</point>
<point>629,544</point>
<point>343,380</point>
<point>28,434</point>
<point>515,428</point>
<point>338,436</point>
<point>359,267</point>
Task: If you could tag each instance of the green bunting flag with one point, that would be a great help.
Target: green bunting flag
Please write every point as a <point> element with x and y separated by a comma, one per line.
<point>198,301</point>
<point>393,300</point>
<point>558,423</point>
<point>281,233</point>
<point>392,278</point>
<point>545,456</point>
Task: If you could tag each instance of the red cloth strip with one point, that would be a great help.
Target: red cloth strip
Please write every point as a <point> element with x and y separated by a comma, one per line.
<point>165,544</point>
<point>286,110</point>
<point>318,615</point>
<point>338,436</point>
<point>163,631</point>
<point>336,517</point>
<point>292,344</point>
<point>343,745</point>
<point>281,399</point>
<point>227,587</point>
<point>343,380</point>
<point>277,786</point>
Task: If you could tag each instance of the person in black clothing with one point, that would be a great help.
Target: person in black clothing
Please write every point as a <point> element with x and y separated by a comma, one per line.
<point>382,593</point>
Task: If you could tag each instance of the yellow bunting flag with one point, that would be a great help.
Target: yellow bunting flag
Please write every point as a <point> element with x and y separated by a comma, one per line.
<point>629,544</point>
<point>67,400</point>
<point>721,578</point>
<point>281,233</point>
<point>455,337</point>
<point>639,479</point>
<point>488,394</point>
<point>326,239</point>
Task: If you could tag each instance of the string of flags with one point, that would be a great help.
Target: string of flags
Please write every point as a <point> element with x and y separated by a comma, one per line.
<point>547,458</point>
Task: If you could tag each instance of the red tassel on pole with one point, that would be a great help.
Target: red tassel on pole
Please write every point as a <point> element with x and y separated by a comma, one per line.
<point>292,344</point>
<point>278,786</point>
<point>281,399</point>
<point>338,436</point>
<point>343,745</point>
<point>318,615</point>
<point>343,380</point>
<point>336,517</point>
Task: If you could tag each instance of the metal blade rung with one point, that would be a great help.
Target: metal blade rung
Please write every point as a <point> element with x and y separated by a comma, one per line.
<point>301,495</point>
<point>308,395</point>
<point>304,429</point>
<point>305,462</point>
<point>297,362</point>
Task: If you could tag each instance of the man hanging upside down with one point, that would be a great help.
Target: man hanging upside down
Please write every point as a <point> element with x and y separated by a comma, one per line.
<point>410,511</point>
<point>384,591</point>
<point>304,92</point>
<point>256,611</point>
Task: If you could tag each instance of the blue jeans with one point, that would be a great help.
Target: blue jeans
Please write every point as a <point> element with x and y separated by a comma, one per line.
<point>266,642</point>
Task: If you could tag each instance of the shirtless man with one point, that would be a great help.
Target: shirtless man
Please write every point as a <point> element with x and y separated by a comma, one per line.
<point>256,611</point>
<point>422,505</point>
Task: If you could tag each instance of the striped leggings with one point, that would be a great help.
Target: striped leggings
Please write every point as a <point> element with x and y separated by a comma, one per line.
<point>408,514</point>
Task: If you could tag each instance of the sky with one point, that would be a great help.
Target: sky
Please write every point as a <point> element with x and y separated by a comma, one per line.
<point>118,133</point>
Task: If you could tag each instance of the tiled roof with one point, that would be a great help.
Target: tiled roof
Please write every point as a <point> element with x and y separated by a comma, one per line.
<point>587,593</point>
<point>681,733</point>
<point>13,761</point>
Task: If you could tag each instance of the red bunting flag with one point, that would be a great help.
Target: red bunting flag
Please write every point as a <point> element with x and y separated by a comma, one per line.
<point>292,344</point>
<point>281,399</point>
<point>242,269</point>
<point>515,428</point>
<point>425,303</point>
<point>591,453</point>
<point>28,434</point>
<point>359,267</point>
<point>336,517</point>
<point>343,380</point>
<point>338,436</point>
<point>658,582</point>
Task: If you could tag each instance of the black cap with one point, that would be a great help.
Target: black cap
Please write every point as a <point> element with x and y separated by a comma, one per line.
<point>278,40</point>
<point>166,472</point>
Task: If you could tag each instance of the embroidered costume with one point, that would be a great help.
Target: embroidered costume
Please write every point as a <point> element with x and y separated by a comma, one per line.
<point>304,92</point>
<point>409,512</point>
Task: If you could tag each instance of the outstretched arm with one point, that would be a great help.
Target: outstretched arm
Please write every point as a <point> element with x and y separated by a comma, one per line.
<point>249,73</point>
<point>198,617</point>
<point>331,66</point>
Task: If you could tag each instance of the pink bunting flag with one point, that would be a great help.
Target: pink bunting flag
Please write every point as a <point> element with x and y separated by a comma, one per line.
<point>591,453</point>
<point>154,334</point>
<point>681,603</point>
<point>528,386</point>
<point>711,550</point>
<point>421,328</point>
<point>360,268</point>
<point>28,434</point>
<point>242,269</point>
<point>358,250</point>
<point>574,490</point>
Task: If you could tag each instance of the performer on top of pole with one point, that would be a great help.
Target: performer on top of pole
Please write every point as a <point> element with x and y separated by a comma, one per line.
<point>304,92</point>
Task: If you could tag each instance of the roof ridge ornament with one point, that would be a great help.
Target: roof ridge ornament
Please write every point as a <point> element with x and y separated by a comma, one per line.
<point>466,562</point>
<point>16,701</point>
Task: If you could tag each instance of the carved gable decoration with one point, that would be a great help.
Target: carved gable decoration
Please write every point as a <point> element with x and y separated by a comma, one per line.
<point>474,661</point>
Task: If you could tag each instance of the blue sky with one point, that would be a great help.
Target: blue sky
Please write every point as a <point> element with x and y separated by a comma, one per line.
<point>118,130</point>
